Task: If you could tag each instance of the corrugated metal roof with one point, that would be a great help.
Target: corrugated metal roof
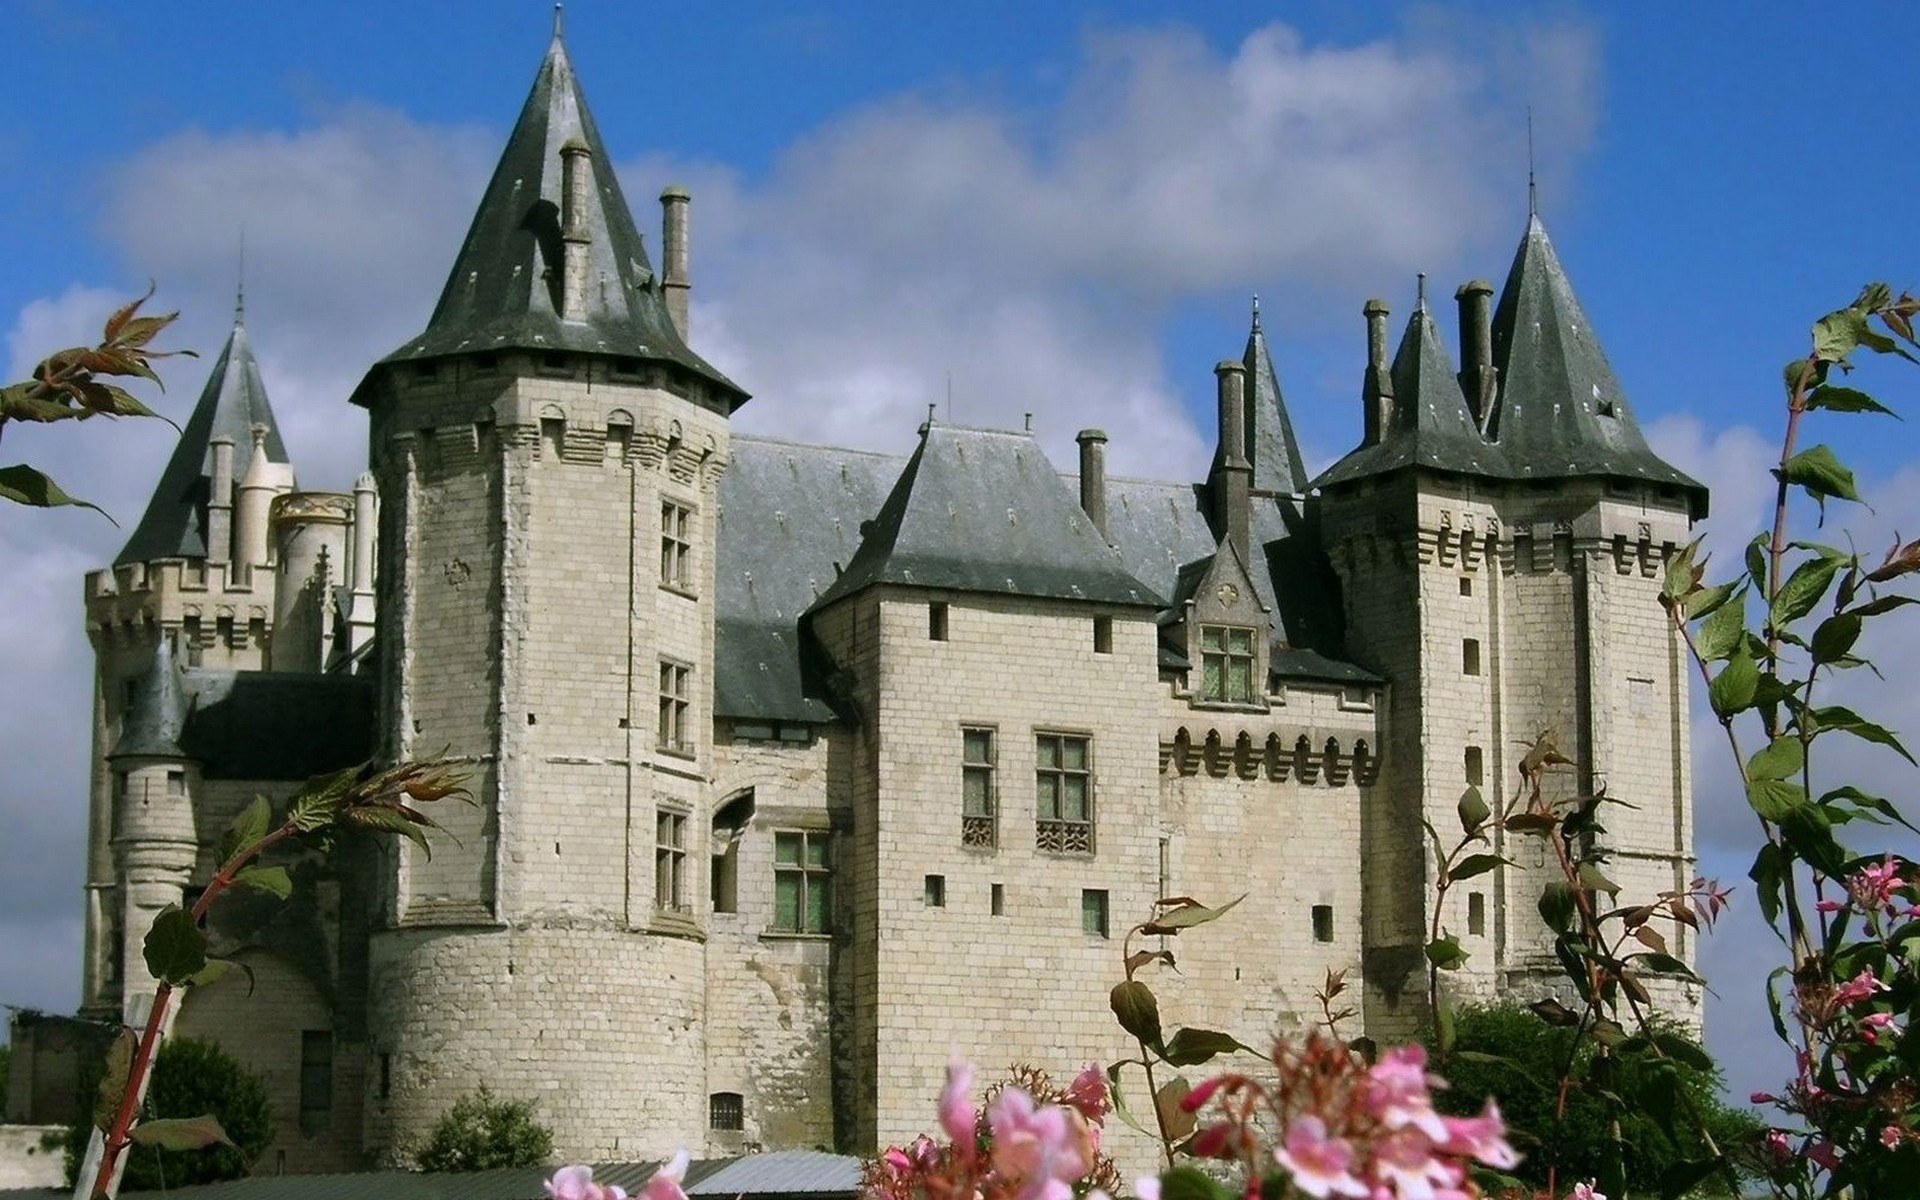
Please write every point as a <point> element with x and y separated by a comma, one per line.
<point>782,1173</point>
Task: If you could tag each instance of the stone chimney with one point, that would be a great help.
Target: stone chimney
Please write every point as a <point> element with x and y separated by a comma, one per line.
<point>1479,378</point>
<point>576,184</point>
<point>220,502</point>
<point>1093,477</point>
<point>1233,480</point>
<point>674,277</point>
<point>1377,394</point>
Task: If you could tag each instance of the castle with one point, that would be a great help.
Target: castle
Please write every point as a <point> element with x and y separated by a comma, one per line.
<point>799,768</point>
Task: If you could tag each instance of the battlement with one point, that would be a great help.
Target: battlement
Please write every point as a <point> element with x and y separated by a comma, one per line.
<point>210,600</point>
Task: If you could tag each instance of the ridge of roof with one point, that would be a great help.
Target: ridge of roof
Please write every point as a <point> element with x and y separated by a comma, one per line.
<point>1560,411</point>
<point>503,290</point>
<point>231,403</point>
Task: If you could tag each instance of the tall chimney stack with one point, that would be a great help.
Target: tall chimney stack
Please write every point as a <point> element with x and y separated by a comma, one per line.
<point>1377,394</point>
<point>1478,376</point>
<point>674,202</point>
<point>576,184</point>
<point>220,502</point>
<point>1232,484</point>
<point>1093,477</point>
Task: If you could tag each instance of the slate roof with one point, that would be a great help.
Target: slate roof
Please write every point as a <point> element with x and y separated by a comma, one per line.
<point>1556,386</point>
<point>250,724</point>
<point>1271,447</point>
<point>503,292</point>
<point>981,510</point>
<point>232,403</point>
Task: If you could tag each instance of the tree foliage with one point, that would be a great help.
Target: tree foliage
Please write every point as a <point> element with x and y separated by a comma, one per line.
<point>481,1133</point>
<point>191,1078</point>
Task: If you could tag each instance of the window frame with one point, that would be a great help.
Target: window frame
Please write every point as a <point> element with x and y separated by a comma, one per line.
<point>981,829</point>
<point>670,891</point>
<point>316,1080</point>
<point>673,730</point>
<point>1096,912</point>
<point>1228,656</point>
<point>814,878</point>
<point>677,569</point>
<point>1054,830</point>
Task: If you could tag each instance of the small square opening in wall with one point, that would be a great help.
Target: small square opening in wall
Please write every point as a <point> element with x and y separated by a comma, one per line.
<point>1476,766</point>
<point>1093,911</point>
<point>937,621</point>
<point>1470,656</point>
<point>1476,913</point>
<point>1466,585</point>
<point>1323,922</point>
<point>726,1112</point>
<point>936,893</point>
<point>997,900</point>
<point>1103,635</point>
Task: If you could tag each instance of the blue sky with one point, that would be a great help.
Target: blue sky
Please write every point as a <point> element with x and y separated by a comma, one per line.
<point>1062,208</point>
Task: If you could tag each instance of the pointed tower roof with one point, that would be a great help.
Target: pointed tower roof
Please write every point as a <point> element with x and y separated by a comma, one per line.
<point>984,511</point>
<point>504,290</point>
<point>1431,426</point>
<point>232,403</point>
<point>1560,412</point>
<point>1277,465</point>
<point>158,715</point>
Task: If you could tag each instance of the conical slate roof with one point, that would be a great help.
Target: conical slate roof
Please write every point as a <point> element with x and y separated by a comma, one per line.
<point>1277,465</point>
<point>157,717</point>
<point>232,403</point>
<point>984,511</point>
<point>1431,425</point>
<point>1560,412</point>
<point>504,290</point>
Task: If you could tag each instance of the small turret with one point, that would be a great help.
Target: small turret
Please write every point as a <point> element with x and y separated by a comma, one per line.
<point>264,480</point>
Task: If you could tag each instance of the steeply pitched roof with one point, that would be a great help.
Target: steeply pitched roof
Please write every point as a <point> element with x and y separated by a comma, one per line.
<point>232,403</point>
<point>157,718</point>
<point>504,290</point>
<point>1560,411</point>
<point>1431,426</point>
<point>1277,465</point>
<point>984,511</point>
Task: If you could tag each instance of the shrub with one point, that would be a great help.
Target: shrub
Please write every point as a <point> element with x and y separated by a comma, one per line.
<point>480,1133</point>
<point>190,1078</point>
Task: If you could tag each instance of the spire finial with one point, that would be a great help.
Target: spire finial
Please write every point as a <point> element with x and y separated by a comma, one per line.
<point>1256,310</point>
<point>1422,290</point>
<point>1533,191</point>
<point>557,9</point>
<point>240,284</point>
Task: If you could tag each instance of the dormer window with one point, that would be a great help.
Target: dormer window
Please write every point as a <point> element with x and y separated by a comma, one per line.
<point>1227,664</point>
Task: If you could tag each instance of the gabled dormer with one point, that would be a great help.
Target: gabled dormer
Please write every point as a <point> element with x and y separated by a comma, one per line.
<point>1225,630</point>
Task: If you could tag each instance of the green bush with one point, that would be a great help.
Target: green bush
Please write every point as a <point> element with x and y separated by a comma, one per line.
<point>480,1133</point>
<point>190,1078</point>
<point>1510,1054</point>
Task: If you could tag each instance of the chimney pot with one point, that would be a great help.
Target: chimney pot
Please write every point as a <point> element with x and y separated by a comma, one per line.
<point>1377,394</point>
<point>576,184</point>
<point>676,278</point>
<point>1233,481</point>
<point>1478,377</point>
<point>1093,477</point>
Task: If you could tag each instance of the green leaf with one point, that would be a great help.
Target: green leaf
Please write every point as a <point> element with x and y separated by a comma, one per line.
<point>1684,1050</point>
<point>1820,473</point>
<point>1837,718</point>
<point>1756,556</point>
<point>1593,879</point>
<point>1835,637</point>
<point>1557,906</point>
<point>249,826</point>
<point>272,880</point>
<point>1769,872</point>
<point>1681,572</point>
<point>1169,1105</point>
<point>1664,964</point>
<point>1773,799</point>
<point>218,969</point>
<point>1846,399</point>
<point>1682,1176</point>
<point>22,484</point>
<point>1554,1013</point>
<point>1188,1047</point>
<point>1473,810</point>
<point>1802,590</point>
<point>182,1133</point>
<point>113,1084</point>
<point>1477,864</point>
<point>386,819</point>
<point>1190,1183</point>
<point>1121,1108</point>
<point>175,948</point>
<point>1138,1012</point>
<point>1783,758</point>
<point>1186,916</point>
<point>1445,953</point>
<point>1722,633</point>
<point>1711,599</point>
<point>1849,794</point>
<point>1882,604</point>
<point>1838,334</point>
<point>1733,688</point>
<point>1809,835</point>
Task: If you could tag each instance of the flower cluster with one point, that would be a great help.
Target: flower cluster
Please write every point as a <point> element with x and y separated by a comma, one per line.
<point>1030,1141</point>
<point>1347,1128</point>
<point>576,1183</point>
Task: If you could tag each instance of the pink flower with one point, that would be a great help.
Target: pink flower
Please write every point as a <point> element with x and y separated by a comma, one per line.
<point>1762,1098</point>
<point>1321,1165</point>
<point>576,1183</point>
<point>1822,1153</point>
<point>1890,1136</point>
<point>1858,988</point>
<point>1483,1137</point>
<point>1585,1191</point>
<point>1872,1024</point>
<point>664,1185</point>
<point>1147,1187</point>
<point>1397,1092</point>
<point>1406,1160</point>
<point>1874,886</point>
<point>1778,1147</point>
<point>1829,906</point>
<point>1089,1093</point>
<point>956,1109</point>
<point>1044,1149</point>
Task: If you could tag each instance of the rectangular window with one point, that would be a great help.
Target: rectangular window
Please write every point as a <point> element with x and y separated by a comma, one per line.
<point>722,879</point>
<point>997,900</point>
<point>1093,911</point>
<point>386,1076</point>
<point>316,1080</point>
<point>725,1112</point>
<point>1470,656</point>
<point>936,893</point>
<point>670,861</point>
<point>1063,787</point>
<point>937,621</point>
<point>977,807</point>
<point>1226,664</point>
<point>1466,585</point>
<point>676,702</point>
<point>176,783</point>
<point>1323,922</point>
<point>676,545</point>
<point>1476,765</point>
<point>1103,635</point>
<point>1476,913</point>
<point>802,883</point>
